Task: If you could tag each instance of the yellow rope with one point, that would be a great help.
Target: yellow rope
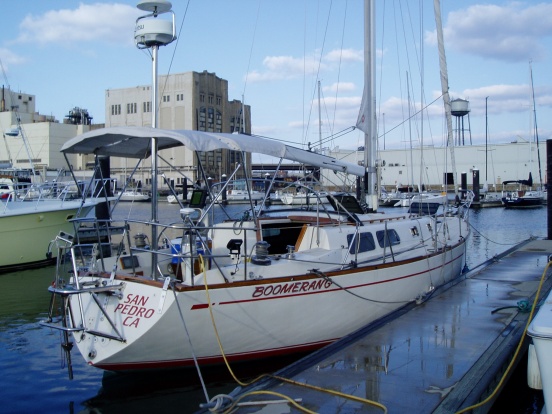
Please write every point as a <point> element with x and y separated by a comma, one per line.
<point>333,392</point>
<point>514,358</point>
<point>289,381</point>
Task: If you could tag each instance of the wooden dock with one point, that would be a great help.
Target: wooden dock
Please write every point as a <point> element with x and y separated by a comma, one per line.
<point>441,356</point>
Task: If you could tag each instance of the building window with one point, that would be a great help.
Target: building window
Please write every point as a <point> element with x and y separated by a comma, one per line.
<point>202,116</point>
<point>166,98</point>
<point>211,99</point>
<point>218,122</point>
<point>219,100</point>
<point>115,109</point>
<point>201,97</point>
<point>210,120</point>
<point>131,108</point>
<point>146,106</point>
<point>179,96</point>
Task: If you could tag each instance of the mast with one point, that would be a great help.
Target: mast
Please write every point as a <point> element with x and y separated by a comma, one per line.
<point>535,124</point>
<point>410,141</point>
<point>367,115</point>
<point>486,139</point>
<point>319,119</point>
<point>444,85</point>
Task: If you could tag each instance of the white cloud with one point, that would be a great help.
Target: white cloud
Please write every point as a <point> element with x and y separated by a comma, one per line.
<point>111,23</point>
<point>9,58</point>
<point>289,67</point>
<point>281,67</point>
<point>345,55</point>
<point>513,32</point>
<point>340,87</point>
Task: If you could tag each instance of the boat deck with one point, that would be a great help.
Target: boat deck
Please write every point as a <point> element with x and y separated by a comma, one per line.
<point>437,357</point>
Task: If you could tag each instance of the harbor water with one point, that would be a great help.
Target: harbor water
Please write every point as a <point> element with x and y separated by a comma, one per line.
<point>34,378</point>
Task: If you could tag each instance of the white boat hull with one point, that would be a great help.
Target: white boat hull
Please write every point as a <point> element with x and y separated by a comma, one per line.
<point>27,228</point>
<point>423,198</point>
<point>254,319</point>
<point>134,196</point>
<point>541,332</point>
<point>302,199</point>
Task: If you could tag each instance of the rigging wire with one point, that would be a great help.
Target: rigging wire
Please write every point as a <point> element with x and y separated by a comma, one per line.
<point>318,71</point>
<point>251,49</point>
<point>339,68</point>
<point>25,145</point>
<point>173,54</point>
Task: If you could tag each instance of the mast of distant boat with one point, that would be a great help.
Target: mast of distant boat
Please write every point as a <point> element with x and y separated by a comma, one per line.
<point>535,125</point>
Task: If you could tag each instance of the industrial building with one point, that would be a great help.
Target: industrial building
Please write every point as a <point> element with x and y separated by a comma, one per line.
<point>190,100</point>
<point>43,134</point>
<point>428,165</point>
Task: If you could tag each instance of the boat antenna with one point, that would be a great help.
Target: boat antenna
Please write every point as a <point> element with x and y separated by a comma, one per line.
<point>150,33</point>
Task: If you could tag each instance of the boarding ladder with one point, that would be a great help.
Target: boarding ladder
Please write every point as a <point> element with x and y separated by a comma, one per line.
<point>74,259</point>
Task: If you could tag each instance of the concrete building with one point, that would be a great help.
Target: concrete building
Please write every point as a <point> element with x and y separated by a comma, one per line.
<point>496,163</point>
<point>189,100</point>
<point>44,135</point>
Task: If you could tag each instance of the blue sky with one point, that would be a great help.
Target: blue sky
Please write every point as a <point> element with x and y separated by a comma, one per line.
<point>273,53</point>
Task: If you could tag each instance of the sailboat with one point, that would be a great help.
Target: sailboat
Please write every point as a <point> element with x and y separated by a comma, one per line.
<point>524,196</point>
<point>268,284</point>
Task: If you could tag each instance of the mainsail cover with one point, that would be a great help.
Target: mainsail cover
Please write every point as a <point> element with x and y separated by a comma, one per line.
<point>135,142</point>
<point>528,182</point>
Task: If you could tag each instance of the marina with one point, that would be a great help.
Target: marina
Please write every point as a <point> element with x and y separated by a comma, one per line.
<point>33,355</point>
<point>229,303</point>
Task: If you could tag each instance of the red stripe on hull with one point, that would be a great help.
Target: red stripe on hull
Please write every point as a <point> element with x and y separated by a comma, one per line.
<point>218,360</point>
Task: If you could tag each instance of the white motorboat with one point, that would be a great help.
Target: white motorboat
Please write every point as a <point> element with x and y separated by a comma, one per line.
<point>301,199</point>
<point>134,196</point>
<point>28,224</point>
<point>264,285</point>
<point>423,198</point>
<point>237,192</point>
<point>171,199</point>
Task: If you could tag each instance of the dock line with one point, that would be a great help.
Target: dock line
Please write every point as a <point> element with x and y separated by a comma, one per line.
<point>514,358</point>
<point>216,404</point>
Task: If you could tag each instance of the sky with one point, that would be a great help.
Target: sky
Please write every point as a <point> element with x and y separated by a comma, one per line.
<point>274,55</point>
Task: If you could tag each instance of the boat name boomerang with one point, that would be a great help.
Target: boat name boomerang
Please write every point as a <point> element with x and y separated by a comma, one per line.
<point>297,287</point>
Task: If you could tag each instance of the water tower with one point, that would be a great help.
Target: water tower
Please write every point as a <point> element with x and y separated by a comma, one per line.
<point>460,108</point>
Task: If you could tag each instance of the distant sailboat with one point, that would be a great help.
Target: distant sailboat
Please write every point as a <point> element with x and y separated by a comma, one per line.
<point>524,196</point>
